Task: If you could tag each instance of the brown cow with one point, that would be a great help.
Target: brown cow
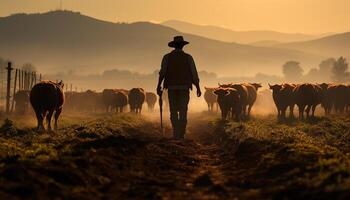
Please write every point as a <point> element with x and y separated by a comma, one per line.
<point>136,99</point>
<point>22,101</point>
<point>326,98</point>
<point>252,94</point>
<point>229,102</point>
<point>151,100</point>
<point>115,99</point>
<point>307,97</point>
<point>121,100</point>
<point>243,95</point>
<point>340,97</point>
<point>256,85</point>
<point>210,98</point>
<point>47,97</point>
<point>283,98</point>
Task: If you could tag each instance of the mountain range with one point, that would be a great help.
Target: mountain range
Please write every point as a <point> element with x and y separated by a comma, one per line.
<point>59,41</point>
<point>244,37</point>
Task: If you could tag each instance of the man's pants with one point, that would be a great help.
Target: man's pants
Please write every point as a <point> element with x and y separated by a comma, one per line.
<point>178,104</point>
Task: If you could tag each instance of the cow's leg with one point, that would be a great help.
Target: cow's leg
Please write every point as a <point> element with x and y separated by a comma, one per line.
<point>283,113</point>
<point>40,118</point>
<point>291,111</point>
<point>140,109</point>
<point>313,110</point>
<point>57,115</point>
<point>308,108</point>
<point>301,111</point>
<point>249,109</point>
<point>48,120</point>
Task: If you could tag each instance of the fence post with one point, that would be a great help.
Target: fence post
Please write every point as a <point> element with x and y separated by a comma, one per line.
<point>40,77</point>
<point>22,80</point>
<point>14,91</point>
<point>8,93</point>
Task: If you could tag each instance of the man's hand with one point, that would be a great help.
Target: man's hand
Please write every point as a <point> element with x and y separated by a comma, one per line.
<point>199,92</point>
<point>159,90</point>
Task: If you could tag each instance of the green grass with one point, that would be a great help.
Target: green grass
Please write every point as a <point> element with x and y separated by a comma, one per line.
<point>294,160</point>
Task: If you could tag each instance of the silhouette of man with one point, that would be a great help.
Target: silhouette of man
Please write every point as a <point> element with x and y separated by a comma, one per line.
<point>179,72</point>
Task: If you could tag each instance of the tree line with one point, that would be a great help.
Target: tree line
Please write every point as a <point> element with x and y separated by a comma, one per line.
<point>329,70</point>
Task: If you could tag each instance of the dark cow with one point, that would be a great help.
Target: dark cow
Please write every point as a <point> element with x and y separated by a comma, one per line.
<point>137,97</point>
<point>47,98</point>
<point>283,98</point>
<point>307,98</point>
<point>151,100</point>
<point>326,98</point>
<point>22,101</point>
<point>210,98</point>
<point>340,97</point>
<point>256,85</point>
<point>121,101</point>
<point>115,99</point>
<point>243,95</point>
<point>229,102</point>
<point>108,99</point>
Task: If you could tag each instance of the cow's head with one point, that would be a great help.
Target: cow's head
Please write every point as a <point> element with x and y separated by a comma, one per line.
<point>324,86</point>
<point>225,85</point>
<point>61,84</point>
<point>275,87</point>
<point>256,85</point>
<point>221,92</point>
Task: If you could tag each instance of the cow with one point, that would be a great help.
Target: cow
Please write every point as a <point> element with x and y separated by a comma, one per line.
<point>252,95</point>
<point>121,100</point>
<point>47,98</point>
<point>326,98</point>
<point>115,99</point>
<point>256,85</point>
<point>243,95</point>
<point>210,98</point>
<point>283,97</point>
<point>151,100</point>
<point>340,95</point>
<point>307,98</point>
<point>136,97</point>
<point>21,99</point>
<point>229,102</point>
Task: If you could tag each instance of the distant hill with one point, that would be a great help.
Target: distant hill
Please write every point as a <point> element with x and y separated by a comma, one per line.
<point>334,45</point>
<point>265,43</point>
<point>64,40</point>
<point>227,35</point>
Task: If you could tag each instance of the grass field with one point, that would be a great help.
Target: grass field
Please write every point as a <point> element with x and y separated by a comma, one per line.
<point>126,157</point>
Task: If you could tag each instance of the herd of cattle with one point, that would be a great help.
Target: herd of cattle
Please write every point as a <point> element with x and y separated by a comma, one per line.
<point>238,99</point>
<point>235,100</point>
<point>47,99</point>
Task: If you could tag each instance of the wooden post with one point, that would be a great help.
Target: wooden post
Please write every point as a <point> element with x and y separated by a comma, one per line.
<point>34,78</point>
<point>19,79</point>
<point>8,93</point>
<point>40,77</point>
<point>22,80</point>
<point>14,91</point>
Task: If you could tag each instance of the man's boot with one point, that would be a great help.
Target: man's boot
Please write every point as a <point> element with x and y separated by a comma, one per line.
<point>175,130</point>
<point>182,130</point>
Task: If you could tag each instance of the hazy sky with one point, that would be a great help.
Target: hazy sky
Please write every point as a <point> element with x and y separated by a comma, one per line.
<point>308,16</point>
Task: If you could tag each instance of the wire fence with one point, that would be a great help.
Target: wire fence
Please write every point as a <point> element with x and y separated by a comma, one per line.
<point>14,79</point>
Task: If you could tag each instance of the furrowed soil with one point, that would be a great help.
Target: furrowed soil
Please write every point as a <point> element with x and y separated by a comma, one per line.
<point>127,157</point>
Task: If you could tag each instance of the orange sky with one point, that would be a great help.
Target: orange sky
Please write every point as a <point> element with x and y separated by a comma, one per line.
<point>307,16</point>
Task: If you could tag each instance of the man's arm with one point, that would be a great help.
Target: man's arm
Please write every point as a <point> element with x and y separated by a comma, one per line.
<point>162,72</point>
<point>195,76</point>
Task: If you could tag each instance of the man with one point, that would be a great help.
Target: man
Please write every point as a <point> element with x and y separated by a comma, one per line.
<point>179,72</point>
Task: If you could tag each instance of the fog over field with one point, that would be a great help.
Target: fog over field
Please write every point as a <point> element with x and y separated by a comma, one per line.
<point>90,108</point>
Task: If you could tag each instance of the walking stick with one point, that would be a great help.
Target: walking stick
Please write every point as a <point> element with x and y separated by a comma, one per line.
<point>161,112</point>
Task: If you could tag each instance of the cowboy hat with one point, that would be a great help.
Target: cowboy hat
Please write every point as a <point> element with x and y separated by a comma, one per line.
<point>178,40</point>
